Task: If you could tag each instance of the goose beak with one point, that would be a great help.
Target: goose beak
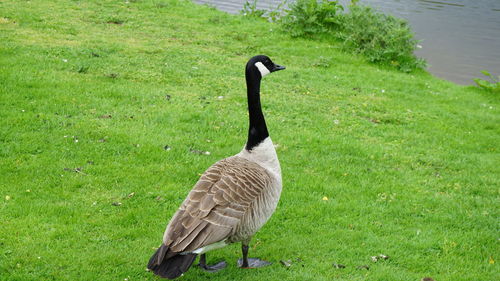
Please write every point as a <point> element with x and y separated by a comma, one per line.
<point>277,67</point>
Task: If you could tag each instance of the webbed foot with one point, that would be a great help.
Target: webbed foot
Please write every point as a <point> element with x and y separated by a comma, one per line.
<point>210,268</point>
<point>213,268</point>
<point>253,263</point>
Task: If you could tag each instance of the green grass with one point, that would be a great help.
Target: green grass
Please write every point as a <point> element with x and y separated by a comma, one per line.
<point>409,163</point>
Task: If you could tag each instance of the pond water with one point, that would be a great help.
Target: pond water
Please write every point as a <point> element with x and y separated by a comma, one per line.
<point>459,38</point>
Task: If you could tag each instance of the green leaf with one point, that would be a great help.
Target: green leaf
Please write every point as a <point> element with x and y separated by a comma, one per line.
<point>486,73</point>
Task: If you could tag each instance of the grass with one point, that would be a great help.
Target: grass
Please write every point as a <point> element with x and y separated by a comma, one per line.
<point>91,92</point>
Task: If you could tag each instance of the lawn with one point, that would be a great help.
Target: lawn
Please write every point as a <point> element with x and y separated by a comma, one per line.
<point>107,110</point>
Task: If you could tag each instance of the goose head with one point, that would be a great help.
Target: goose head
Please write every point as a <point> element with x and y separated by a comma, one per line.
<point>262,65</point>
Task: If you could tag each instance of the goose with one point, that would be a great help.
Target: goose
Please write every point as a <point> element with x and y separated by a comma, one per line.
<point>232,199</point>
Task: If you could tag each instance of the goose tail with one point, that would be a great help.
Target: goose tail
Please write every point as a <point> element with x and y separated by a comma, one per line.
<point>171,265</point>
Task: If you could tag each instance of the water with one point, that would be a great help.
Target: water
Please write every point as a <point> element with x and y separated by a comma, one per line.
<point>459,38</point>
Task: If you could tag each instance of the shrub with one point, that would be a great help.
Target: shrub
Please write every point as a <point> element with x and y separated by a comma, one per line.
<point>487,85</point>
<point>278,12</point>
<point>309,17</point>
<point>250,10</point>
<point>381,38</point>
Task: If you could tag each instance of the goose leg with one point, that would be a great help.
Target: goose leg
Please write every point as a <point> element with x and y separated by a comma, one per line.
<point>246,262</point>
<point>210,268</point>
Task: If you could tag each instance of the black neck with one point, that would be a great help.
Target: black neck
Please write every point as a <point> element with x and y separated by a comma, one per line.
<point>257,132</point>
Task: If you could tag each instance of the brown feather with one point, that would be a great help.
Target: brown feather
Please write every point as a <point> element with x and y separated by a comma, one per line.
<point>215,206</point>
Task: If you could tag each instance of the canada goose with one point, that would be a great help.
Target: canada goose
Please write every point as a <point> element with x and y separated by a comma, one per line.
<point>232,200</point>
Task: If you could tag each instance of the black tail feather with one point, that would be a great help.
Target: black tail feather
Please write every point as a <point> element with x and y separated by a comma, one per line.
<point>171,266</point>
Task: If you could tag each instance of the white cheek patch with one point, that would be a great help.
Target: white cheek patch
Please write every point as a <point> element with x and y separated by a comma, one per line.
<point>262,68</point>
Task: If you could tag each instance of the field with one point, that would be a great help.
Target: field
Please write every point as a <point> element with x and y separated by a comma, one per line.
<point>110,110</point>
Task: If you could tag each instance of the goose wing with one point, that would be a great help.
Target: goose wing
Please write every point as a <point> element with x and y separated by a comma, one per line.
<point>216,204</point>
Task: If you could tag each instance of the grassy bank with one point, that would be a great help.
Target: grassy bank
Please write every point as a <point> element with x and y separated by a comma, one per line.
<point>106,105</point>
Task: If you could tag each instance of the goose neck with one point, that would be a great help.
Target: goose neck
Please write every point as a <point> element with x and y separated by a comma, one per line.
<point>257,131</point>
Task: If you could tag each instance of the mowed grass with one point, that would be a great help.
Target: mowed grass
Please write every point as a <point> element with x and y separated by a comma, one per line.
<point>105,105</point>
